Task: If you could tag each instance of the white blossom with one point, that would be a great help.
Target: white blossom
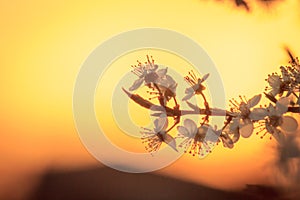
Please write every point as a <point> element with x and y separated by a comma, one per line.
<point>276,122</point>
<point>230,135</point>
<point>154,138</point>
<point>196,140</point>
<point>167,87</point>
<point>244,120</point>
<point>147,73</point>
<point>196,86</point>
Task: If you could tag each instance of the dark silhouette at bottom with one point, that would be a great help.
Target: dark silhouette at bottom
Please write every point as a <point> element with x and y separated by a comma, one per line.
<point>106,183</point>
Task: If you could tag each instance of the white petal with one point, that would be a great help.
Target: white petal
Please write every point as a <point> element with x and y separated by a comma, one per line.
<point>160,124</point>
<point>236,136</point>
<point>282,105</point>
<point>170,80</point>
<point>162,72</point>
<point>187,97</point>
<point>151,77</point>
<point>154,68</point>
<point>158,111</point>
<point>274,81</point>
<point>192,106</point>
<point>283,101</point>
<point>272,110</point>
<point>156,114</point>
<point>156,125</point>
<point>191,126</point>
<point>162,82</point>
<point>157,108</point>
<point>211,135</point>
<point>227,142</point>
<point>235,124</point>
<point>172,88</point>
<point>289,124</point>
<point>189,90</point>
<point>254,101</point>
<point>182,130</point>
<point>204,77</point>
<point>168,139</point>
<point>233,133</point>
<point>258,113</point>
<point>246,129</point>
<point>137,83</point>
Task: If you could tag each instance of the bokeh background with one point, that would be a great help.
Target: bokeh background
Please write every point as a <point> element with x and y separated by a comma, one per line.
<point>44,43</point>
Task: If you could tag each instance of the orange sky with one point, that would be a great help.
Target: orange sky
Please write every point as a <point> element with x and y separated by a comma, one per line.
<point>43,46</point>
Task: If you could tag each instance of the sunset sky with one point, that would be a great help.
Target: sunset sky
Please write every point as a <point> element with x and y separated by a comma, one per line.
<point>44,44</point>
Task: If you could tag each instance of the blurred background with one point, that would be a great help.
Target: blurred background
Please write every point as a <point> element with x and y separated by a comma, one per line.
<point>43,45</point>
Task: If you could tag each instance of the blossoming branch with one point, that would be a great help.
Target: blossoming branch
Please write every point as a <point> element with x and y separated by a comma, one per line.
<point>242,119</point>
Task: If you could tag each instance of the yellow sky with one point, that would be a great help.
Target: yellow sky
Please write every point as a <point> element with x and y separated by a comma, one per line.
<point>43,45</point>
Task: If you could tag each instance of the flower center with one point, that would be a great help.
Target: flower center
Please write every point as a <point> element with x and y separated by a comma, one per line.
<point>245,111</point>
<point>275,121</point>
<point>151,77</point>
<point>199,88</point>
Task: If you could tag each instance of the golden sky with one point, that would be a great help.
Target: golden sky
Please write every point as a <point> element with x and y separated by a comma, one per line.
<point>44,44</point>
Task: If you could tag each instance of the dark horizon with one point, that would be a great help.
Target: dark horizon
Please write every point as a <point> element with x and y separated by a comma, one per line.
<point>107,183</point>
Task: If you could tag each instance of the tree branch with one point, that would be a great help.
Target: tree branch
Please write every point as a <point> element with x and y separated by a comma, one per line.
<point>176,112</point>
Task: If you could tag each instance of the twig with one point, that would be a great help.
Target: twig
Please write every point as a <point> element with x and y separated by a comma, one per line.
<point>201,111</point>
<point>177,112</point>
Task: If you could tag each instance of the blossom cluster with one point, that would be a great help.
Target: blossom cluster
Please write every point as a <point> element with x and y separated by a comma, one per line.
<point>244,118</point>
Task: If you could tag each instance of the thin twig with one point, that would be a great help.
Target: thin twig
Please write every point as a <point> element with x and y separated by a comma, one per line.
<point>201,111</point>
<point>177,112</point>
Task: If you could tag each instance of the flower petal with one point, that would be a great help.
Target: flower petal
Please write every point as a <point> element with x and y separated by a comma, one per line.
<point>246,128</point>
<point>162,72</point>
<point>258,113</point>
<point>192,106</point>
<point>282,105</point>
<point>187,97</point>
<point>157,108</point>
<point>160,124</point>
<point>151,77</point>
<point>170,80</point>
<point>153,68</point>
<point>156,114</point>
<point>274,81</point>
<point>212,135</point>
<point>168,139</point>
<point>254,101</point>
<point>272,110</point>
<point>137,83</point>
<point>191,126</point>
<point>183,131</point>
<point>162,82</point>
<point>235,124</point>
<point>189,90</point>
<point>289,124</point>
<point>227,142</point>
<point>204,77</point>
<point>236,136</point>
